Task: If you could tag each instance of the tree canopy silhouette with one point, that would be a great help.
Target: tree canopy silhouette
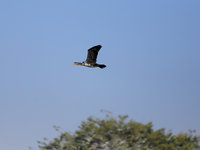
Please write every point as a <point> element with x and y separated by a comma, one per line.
<point>115,133</point>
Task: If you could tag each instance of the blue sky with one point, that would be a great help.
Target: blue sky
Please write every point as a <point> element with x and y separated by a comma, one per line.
<point>152,53</point>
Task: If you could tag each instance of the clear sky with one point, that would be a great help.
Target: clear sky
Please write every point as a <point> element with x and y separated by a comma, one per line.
<point>152,53</point>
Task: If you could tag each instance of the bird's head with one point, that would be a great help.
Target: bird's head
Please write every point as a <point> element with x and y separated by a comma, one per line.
<point>77,63</point>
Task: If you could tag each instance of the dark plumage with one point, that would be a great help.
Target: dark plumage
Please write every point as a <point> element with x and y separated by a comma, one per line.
<point>92,58</point>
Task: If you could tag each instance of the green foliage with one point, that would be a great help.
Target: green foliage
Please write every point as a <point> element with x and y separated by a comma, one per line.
<point>118,134</point>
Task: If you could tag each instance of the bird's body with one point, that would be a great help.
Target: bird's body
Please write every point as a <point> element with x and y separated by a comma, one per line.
<point>92,58</point>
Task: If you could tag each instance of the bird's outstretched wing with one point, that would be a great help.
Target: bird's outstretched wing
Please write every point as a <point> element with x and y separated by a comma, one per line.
<point>92,54</point>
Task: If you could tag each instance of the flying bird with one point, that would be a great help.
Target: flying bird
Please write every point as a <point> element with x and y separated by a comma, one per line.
<point>91,58</point>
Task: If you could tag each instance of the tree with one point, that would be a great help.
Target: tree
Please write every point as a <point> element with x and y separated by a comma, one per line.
<point>117,134</point>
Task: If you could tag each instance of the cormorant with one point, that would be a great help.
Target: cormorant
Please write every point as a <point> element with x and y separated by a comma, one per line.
<point>91,58</point>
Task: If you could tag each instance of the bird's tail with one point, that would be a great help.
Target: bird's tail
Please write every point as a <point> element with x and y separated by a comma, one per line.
<point>101,66</point>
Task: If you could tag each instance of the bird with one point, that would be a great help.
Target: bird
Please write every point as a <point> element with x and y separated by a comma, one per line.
<point>92,58</point>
